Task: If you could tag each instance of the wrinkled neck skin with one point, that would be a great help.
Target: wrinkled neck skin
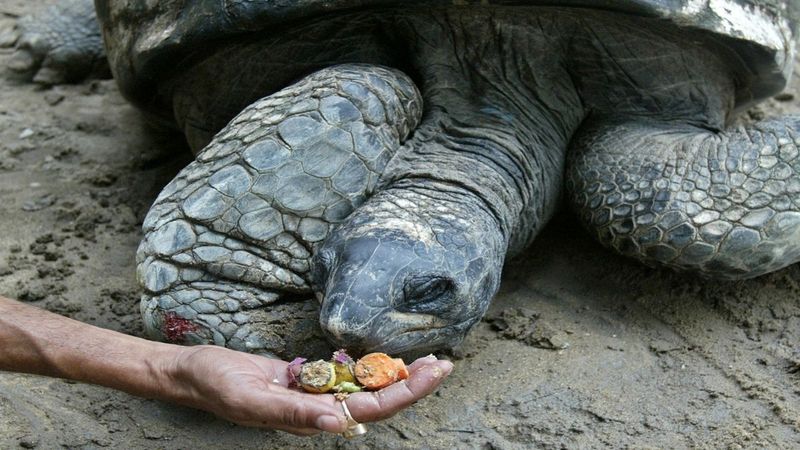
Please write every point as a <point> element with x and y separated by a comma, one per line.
<point>500,110</point>
<point>416,266</point>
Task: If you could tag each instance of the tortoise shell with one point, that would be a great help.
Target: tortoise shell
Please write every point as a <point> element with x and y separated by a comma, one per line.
<point>149,42</point>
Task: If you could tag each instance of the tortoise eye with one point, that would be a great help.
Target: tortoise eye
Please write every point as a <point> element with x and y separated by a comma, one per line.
<point>326,258</point>
<point>427,295</point>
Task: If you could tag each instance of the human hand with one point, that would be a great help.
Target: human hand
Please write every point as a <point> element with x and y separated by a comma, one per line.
<point>245,389</point>
<point>254,391</point>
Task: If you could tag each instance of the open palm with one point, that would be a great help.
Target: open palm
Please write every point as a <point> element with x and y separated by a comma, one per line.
<point>254,391</point>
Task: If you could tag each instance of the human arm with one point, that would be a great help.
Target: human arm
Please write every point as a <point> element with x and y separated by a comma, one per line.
<point>245,389</point>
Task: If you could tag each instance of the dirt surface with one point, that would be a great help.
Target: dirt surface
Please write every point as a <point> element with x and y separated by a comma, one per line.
<point>580,349</point>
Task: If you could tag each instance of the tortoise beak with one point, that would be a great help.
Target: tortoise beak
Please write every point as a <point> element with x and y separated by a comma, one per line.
<point>363,290</point>
<point>351,324</point>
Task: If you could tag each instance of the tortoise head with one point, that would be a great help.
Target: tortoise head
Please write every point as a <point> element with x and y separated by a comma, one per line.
<point>410,271</point>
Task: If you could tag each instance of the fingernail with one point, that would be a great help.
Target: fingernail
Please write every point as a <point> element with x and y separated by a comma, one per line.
<point>331,424</point>
<point>446,366</point>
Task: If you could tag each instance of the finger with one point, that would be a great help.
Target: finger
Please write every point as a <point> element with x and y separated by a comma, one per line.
<point>302,431</point>
<point>299,412</point>
<point>368,407</point>
<point>424,361</point>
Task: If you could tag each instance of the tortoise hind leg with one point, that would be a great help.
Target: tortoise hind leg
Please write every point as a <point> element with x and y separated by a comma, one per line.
<point>722,204</point>
<point>60,44</point>
<point>230,240</point>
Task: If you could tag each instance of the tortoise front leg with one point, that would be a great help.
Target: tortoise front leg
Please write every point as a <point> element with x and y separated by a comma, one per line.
<point>235,231</point>
<point>60,44</point>
<point>723,204</point>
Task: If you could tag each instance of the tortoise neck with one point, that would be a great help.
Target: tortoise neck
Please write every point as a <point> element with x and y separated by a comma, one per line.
<point>497,123</point>
<point>513,169</point>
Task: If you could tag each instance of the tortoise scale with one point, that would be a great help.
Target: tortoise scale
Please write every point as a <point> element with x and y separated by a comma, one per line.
<point>389,157</point>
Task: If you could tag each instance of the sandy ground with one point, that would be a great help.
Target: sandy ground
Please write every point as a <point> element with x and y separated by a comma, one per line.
<point>580,349</point>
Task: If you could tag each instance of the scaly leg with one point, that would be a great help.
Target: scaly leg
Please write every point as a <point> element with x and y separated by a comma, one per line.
<point>725,205</point>
<point>235,232</point>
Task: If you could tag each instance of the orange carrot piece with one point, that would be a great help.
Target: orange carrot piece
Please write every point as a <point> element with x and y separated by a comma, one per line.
<point>376,371</point>
<point>402,370</point>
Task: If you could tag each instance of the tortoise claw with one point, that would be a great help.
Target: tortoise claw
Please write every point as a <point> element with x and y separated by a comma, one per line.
<point>22,61</point>
<point>49,76</point>
<point>9,36</point>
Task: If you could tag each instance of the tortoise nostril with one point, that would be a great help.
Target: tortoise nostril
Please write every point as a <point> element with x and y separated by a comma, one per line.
<point>344,334</point>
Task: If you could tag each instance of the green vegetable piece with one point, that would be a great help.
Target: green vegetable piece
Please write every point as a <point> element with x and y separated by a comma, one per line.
<point>347,386</point>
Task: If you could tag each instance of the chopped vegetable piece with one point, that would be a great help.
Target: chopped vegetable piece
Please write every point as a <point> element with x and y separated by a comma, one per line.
<point>343,376</point>
<point>348,387</point>
<point>344,372</point>
<point>293,368</point>
<point>341,356</point>
<point>298,361</point>
<point>402,370</point>
<point>377,370</point>
<point>317,377</point>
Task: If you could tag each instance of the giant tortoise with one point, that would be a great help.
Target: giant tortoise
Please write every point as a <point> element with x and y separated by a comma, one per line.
<point>390,156</point>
